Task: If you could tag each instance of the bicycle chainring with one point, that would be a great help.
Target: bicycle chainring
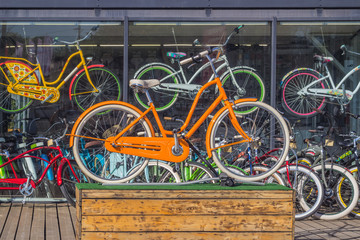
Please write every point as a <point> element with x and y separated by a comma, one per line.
<point>26,191</point>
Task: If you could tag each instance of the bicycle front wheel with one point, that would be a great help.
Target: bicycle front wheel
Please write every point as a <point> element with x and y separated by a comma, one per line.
<point>356,211</point>
<point>194,171</point>
<point>274,178</point>
<point>302,104</point>
<point>11,103</point>
<point>157,172</point>
<point>91,155</point>
<point>243,83</point>
<point>341,192</point>
<point>308,187</point>
<point>69,180</point>
<point>105,81</point>
<point>265,126</point>
<point>164,96</point>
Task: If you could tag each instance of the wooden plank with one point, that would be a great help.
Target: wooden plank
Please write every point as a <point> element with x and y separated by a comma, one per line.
<point>12,222</point>
<point>78,230</point>
<point>52,224</point>
<point>72,211</point>
<point>175,194</point>
<point>293,217</point>
<point>4,212</point>
<point>229,223</point>
<point>78,194</point>
<point>23,231</point>
<point>65,223</point>
<point>38,224</point>
<point>78,212</point>
<point>186,206</point>
<point>187,235</point>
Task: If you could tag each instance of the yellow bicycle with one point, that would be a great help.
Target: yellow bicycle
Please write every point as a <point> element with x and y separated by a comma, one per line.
<point>21,81</point>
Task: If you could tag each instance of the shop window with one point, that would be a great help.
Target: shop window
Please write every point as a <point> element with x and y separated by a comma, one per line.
<point>151,42</point>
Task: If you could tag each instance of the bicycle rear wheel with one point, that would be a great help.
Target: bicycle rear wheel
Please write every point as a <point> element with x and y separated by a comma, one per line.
<point>93,158</point>
<point>264,125</point>
<point>69,180</point>
<point>106,82</point>
<point>164,98</point>
<point>11,103</point>
<point>302,105</point>
<point>341,195</point>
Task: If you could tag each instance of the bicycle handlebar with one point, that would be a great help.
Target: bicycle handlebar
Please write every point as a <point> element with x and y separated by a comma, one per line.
<point>199,56</point>
<point>344,49</point>
<point>352,115</point>
<point>93,29</point>
<point>196,58</point>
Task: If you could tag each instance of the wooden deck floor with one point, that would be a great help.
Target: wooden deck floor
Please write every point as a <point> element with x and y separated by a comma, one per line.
<point>56,221</point>
<point>37,221</point>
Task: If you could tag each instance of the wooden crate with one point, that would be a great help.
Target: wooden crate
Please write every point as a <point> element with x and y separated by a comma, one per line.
<point>184,212</point>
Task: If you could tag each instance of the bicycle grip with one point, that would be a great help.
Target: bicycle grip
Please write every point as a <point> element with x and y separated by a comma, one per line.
<point>195,58</point>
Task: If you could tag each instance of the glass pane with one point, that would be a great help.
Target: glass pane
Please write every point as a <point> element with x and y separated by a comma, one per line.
<point>305,51</point>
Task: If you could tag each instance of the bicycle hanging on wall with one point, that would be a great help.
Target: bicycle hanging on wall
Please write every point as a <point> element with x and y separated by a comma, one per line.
<point>22,81</point>
<point>239,82</point>
<point>305,90</point>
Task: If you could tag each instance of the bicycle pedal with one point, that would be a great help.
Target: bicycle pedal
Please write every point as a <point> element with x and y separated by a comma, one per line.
<point>24,200</point>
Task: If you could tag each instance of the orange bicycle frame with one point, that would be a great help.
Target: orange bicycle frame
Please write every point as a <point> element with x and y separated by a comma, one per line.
<point>151,144</point>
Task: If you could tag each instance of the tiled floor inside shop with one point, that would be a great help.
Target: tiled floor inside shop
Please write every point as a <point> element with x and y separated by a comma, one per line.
<point>57,221</point>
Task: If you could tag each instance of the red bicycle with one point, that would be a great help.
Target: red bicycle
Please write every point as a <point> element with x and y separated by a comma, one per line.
<point>24,173</point>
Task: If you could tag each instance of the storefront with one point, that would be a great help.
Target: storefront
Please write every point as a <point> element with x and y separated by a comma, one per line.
<point>276,37</point>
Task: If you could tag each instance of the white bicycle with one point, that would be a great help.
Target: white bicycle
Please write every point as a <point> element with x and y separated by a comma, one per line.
<point>305,90</point>
<point>238,82</point>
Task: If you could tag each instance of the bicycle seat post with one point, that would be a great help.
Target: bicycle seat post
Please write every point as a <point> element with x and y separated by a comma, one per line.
<point>148,96</point>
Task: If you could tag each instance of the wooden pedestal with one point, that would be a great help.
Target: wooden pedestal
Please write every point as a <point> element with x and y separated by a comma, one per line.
<point>199,211</point>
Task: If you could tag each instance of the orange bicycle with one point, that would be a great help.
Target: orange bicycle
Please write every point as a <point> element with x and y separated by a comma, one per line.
<point>113,141</point>
<point>22,81</point>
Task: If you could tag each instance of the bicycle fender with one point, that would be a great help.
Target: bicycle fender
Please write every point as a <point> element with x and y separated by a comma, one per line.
<point>297,70</point>
<point>236,68</point>
<point>212,122</point>
<point>78,73</point>
<point>152,64</point>
<point>59,170</point>
<point>81,117</point>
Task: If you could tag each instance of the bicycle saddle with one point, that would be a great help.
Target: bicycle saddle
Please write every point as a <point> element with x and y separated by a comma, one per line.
<point>176,55</point>
<point>318,58</point>
<point>144,84</point>
<point>346,143</point>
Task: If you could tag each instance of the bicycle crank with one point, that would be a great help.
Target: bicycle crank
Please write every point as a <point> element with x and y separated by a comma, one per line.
<point>26,189</point>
